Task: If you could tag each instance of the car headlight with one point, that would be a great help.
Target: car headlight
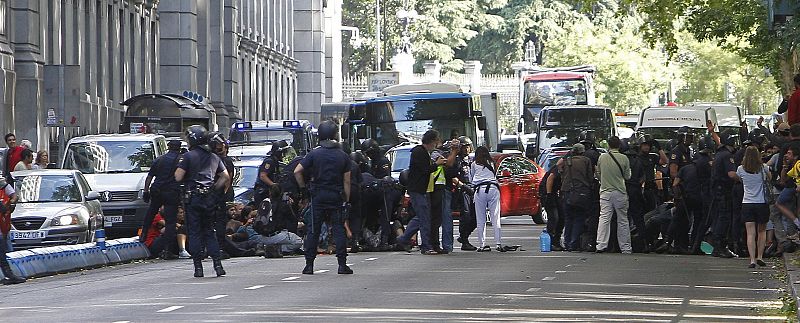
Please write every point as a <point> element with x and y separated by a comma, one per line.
<point>69,219</point>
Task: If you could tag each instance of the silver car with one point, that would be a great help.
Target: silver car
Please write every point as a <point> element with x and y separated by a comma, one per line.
<point>54,207</point>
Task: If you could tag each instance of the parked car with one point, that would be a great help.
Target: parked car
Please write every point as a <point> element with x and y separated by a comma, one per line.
<point>54,207</point>
<point>116,166</point>
<point>518,177</point>
<point>245,178</point>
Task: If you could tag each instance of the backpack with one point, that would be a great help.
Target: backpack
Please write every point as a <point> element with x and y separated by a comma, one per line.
<point>264,223</point>
<point>286,179</point>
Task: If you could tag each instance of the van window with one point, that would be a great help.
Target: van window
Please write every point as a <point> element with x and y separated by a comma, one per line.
<point>110,157</point>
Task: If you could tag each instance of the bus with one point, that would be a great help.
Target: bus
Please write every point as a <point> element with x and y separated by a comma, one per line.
<point>166,114</point>
<point>561,126</point>
<point>408,111</point>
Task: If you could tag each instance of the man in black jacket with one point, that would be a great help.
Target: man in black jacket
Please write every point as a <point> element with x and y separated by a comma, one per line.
<point>420,170</point>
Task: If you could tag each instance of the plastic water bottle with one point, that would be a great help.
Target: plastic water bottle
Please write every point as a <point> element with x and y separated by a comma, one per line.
<point>544,241</point>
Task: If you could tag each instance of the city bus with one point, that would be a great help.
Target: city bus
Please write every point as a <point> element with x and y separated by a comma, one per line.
<point>166,114</point>
<point>408,111</point>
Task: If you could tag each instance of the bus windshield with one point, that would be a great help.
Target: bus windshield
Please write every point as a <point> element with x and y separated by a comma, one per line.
<point>558,92</point>
<point>395,133</point>
<point>394,122</point>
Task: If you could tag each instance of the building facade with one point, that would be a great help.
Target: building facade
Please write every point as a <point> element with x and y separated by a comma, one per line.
<point>88,56</point>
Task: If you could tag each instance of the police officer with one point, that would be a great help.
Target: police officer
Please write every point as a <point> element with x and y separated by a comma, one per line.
<point>355,218</point>
<point>703,160</point>
<point>587,138</point>
<point>652,157</point>
<point>329,168</point>
<point>197,170</point>
<point>633,188</point>
<point>269,170</point>
<point>680,155</point>
<point>724,178</point>
<point>467,223</point>
<point>163,191</point>
<point>379,164</point>
<point>219,146</point>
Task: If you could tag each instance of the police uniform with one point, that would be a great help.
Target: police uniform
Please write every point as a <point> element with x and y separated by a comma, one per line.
<point>355,216</point>
<point>221,213</point>
<point>271,167</point>
<point>467,222</point>
<point>650,192</point>
<point>680,156</point>
<point>703,167</point>
<point>380,167</point>
<point>723,197</point>
<point>201,167</point>
<point>326,165</point>
<point>163,191</point>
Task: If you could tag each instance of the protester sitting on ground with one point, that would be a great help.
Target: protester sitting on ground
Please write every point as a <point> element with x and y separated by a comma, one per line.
<point>180,227</point>
<point>269,234</point>
<point>154,241</point>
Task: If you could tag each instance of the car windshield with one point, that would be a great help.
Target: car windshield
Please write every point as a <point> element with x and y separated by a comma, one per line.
<point>246,176</point>
<point>260,136</point>
<point>47,188</point>
<point>110,157</point>
<point>563,92</point>
<point>401,159</point>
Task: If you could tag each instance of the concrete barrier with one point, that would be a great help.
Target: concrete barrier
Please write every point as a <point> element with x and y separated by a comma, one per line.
<point>58,259</point>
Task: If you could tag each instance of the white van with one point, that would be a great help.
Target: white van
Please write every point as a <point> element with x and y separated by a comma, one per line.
<point>729,116</point>
<point>662,123</point>
<point>116,165</point>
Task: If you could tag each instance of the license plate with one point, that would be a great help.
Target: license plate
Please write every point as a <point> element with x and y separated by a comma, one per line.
<point>113,218</point>
<point>28,235</point>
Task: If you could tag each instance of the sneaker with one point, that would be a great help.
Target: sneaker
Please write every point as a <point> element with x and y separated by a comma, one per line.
<point>751,266</point>
<point>184,255</point>
<point>485,249</point>
<point>429,252</point>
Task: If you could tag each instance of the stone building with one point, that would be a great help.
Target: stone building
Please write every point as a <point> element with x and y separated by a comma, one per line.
<point>252,59</point>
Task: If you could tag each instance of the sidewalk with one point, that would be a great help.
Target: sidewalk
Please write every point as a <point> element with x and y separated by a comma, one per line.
<point>791,262</point>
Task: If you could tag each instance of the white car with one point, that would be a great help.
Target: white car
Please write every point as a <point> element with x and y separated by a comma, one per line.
<point>54,207</point>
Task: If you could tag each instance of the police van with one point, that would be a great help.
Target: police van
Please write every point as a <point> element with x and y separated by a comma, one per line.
<point>252,140</point>
<point>729,116</point>
<point>661,123</point>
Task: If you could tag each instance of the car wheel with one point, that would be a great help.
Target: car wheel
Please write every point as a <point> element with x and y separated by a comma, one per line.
<point>540,217</point>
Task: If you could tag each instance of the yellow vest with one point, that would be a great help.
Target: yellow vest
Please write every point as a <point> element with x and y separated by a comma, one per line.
<point>437,178</point>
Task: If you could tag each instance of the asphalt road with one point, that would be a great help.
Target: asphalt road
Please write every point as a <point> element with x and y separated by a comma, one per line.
<point>397,286</point>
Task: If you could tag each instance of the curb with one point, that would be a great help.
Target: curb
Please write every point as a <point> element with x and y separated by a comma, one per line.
<point>46,261</point>
<point>793,278</point>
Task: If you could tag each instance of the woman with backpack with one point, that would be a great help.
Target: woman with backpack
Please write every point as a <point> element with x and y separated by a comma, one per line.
<point>487,198</point>
<point>755,203</point>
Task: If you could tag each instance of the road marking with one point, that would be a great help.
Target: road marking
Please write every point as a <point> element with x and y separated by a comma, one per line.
<point>560,271</point>
<point>122,322</point>
<point>370,259</point>
<point>349,264</point>
<point>320,271</point>
<point>535,289</point>
<point>548,278</point>
<point>290,278</point>
<point>255,287</point>
<point>169,309</point>
<point>216,297</point>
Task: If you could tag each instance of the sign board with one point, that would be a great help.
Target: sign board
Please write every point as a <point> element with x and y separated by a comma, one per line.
<point>377,81</point>
<point>136,127</point>
<point>52,120</point>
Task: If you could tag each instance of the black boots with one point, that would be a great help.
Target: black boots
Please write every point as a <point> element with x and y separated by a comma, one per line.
<point>198,267</point>
<point>354,247</point>
<point>10,278</point>
<point>218,267</point>
<point>343,268</point>
<point>309,269</point>
<point>722,251</point>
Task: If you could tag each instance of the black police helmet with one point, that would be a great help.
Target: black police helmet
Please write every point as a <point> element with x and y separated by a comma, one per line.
<point>624,146</point>
<point>706,144</point>
<point>327,130</point>
<point>587,136</point>
<point>728,137</point>
<point>358,158</point>
<point>216,141</point>
<point>196,135</point>
<point>370,146</point>
<point>278,148</point>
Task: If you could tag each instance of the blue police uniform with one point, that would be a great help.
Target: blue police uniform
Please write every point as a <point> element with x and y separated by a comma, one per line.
<point>201,169</point>
<point>723,191</point>
<point>164,192</point>
<point>271,167</point>
<point>327,166</point>
<point>380,167</point>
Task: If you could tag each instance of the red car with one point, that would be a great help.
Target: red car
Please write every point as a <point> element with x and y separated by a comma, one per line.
<point>519,180</point>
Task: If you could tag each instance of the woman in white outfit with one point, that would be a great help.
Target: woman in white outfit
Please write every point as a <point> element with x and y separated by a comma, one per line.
<point>487,197</point>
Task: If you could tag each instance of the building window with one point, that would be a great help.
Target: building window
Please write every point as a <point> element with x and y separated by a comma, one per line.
<point>2,17</point>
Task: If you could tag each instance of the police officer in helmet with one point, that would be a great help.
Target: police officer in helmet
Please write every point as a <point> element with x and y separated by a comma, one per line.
<point>588,139</point>
<point>379,164</point>
<point>269,170</point>
<point>330,169</point>
<point>218,145</point>
<point>467,223</point>
<point>723,177</point>
<point>163,192</point>
<point>197,170</point>
<point>680,155</point>
<point>703,161</point>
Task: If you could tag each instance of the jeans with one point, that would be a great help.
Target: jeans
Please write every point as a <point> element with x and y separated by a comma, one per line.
<point>421,204</point>
<point>200,227</point>
<point>289,242</point>
<point>614,202</point>
<point>574,225</point>
<point>437,210</point>
<point>169,199</point>
<point>447,221</point>
<point>320,215</point>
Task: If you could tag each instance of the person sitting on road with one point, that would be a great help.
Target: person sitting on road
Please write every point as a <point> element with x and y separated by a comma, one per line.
<point>182,237</point>
<point>269,235</point>
<point>154,240</point>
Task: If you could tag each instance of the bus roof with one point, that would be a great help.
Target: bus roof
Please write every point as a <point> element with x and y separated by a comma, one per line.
<point>555,76</point>
<point>429,87</point>
<point>270,125</point>
<point>676,118</point>
<point>420,96</point>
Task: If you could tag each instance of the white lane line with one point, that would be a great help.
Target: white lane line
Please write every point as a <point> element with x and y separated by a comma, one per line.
<point>255,287</point>
<point>370,259</point>
<point>560,271</point>
<point>169,309</point>
<point>216,297</point>
<point>290,278</point>
<point>535,289</point>
<point>122,322</point>
<point>349,264</point>
<point>321,271</point>
<point>548,278</point>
